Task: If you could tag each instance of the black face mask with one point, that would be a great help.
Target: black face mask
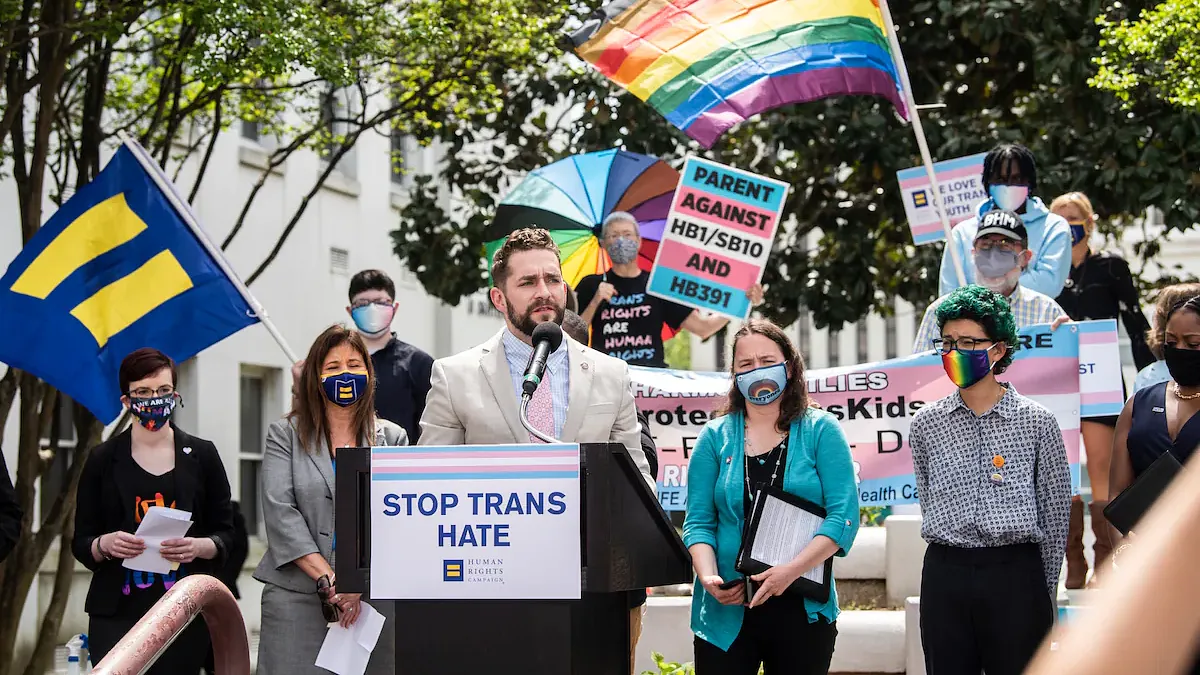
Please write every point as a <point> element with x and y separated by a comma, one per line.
<point>1184,365</point>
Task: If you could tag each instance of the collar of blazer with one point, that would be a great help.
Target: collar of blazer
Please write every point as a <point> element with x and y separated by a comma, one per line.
<point>582,365</point>
<point>187,468</point>
<point>323,459</point>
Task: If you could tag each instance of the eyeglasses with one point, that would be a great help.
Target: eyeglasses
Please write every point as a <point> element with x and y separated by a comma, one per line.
<point>330,611</point>
<point>944,346</point>
<point>1006,245</point>
<point>367,303</point>
<point>146,392</point>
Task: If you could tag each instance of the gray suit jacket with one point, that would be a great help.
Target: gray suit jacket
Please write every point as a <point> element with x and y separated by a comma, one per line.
<point>297,487</point>
<point>472,401</point>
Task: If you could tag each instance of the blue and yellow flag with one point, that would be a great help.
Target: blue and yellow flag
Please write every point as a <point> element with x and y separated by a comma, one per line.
<point>114,270</point>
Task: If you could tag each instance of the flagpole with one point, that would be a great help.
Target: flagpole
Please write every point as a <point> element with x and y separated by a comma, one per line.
<point>185,214</point>
<point>922,143</point>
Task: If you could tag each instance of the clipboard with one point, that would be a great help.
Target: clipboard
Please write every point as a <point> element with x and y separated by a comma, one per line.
<point>775,512</point>
<point>1127,508</point>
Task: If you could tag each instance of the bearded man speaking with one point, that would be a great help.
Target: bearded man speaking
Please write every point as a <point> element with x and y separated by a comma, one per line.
<point>584,396</point>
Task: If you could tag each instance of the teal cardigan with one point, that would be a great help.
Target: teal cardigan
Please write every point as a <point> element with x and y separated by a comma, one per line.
<point>818,468</point>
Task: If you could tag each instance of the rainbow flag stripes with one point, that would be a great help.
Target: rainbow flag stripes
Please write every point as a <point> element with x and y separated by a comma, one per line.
<point>708,65</point>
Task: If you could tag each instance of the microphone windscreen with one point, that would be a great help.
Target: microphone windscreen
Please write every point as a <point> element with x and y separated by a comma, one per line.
<point>549,331</point>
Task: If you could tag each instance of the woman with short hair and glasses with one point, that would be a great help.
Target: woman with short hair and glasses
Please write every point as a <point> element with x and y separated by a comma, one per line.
<point>995,493</point>
<point>152,463</point>
<point>334,408</point>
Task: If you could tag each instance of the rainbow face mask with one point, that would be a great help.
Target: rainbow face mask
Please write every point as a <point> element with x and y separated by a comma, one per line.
<point>966,367</point>
<point>346,387</point>
<point>763,385</point>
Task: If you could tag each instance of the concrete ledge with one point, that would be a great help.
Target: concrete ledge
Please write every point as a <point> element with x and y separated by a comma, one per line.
<point>867,559</point>
<point>914,654</point>
<point>868,641</point>
<point>905,557</point>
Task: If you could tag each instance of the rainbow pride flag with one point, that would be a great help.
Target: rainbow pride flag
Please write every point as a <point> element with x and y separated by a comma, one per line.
<point>708,65</point>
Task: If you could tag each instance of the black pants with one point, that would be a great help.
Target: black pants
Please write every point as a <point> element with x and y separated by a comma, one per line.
<point>777,636</point>
<point>983,609</point>
<point>185,656</point>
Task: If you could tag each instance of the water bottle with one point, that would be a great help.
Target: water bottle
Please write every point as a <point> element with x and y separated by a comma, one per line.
<point>86,661</point>
<point>75,650</point>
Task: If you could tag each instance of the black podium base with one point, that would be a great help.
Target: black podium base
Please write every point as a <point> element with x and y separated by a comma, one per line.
<point>529,637</point>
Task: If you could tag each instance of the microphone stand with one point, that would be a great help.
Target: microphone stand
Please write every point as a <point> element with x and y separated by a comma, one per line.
<point>534,431</point>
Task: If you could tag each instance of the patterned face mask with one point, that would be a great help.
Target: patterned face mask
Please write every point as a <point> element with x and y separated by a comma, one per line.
<point>346,387</point>
<point>623,251</point>
<point>763,385</point>
<point>153,412</point>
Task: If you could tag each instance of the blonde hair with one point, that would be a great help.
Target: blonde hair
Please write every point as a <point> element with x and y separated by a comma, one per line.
<point>1168,297</point>
<point>1081,202</point>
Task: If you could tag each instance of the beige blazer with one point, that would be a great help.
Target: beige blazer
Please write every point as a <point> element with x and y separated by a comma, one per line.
<point>472,401</point>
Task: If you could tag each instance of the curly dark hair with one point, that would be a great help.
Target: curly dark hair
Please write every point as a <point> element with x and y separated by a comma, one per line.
<point>1164,306</point>
<point>987,308</point>
<point>794,401</point>
<point>527,239</point>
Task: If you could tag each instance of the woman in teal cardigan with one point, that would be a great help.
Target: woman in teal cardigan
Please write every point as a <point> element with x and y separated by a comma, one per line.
<point>769,430</point>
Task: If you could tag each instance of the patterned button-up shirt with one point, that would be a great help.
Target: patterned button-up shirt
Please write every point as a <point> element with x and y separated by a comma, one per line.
<point>1029,308</point>
<point>517,353</point>
<point>963,501</point>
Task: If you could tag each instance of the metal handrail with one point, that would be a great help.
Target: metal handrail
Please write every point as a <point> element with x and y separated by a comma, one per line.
<point>166,620</point>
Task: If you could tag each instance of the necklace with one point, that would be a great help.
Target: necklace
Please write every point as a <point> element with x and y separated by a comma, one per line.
<point>1182,396</point>
<point>746,459</point>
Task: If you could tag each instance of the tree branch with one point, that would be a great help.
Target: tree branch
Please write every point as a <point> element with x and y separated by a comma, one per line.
<point>212,143</point>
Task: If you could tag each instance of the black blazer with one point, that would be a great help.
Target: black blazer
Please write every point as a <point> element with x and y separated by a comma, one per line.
<point>105,504</point>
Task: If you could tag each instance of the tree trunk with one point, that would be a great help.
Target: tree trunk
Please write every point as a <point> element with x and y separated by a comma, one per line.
<point>43,652</point>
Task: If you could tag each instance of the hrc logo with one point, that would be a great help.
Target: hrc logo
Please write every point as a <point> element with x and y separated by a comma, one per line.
<point>345,390</point>
<point>920,199</point>
<point>452,570</point>
<point>103,228</point>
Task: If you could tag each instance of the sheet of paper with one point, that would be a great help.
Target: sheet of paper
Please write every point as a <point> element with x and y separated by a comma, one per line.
<point>346,651</point>
<point>783,531</point>
<point>159,524</point>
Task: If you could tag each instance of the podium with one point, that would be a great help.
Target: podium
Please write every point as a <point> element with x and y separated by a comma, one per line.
<point>627,543</point>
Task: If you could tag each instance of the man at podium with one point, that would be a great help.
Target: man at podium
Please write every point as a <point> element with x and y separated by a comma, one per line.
<point>584,396</point>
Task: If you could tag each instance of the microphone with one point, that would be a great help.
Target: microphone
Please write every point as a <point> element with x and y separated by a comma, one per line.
<point>546,339</point>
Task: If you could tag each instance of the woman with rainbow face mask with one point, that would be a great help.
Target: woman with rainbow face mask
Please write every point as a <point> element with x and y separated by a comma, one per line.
<point>995,492</point>
<point>1100,286</point>
<point>766,434</point>
<point>334,407</point>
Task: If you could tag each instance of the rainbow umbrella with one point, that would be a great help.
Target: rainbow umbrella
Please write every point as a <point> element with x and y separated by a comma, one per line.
<point>572,197</point>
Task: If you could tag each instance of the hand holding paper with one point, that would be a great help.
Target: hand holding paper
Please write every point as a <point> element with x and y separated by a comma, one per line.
<point>346,651</point>
<point>159,524</point>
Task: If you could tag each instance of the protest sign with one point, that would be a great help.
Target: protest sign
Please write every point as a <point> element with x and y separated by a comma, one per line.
<point>960,183</point>
<point>717,237</point>
<point>475,522</point>
<point>874,404</point>
<point>1101,389</point>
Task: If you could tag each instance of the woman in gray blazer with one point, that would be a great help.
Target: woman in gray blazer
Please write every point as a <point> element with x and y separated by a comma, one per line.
<point>334,408</point>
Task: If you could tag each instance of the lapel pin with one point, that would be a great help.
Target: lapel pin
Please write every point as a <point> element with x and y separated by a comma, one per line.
<point>997,478</point>
<point>729,460</point>
<point>187,449</point>
<point>998,462</point>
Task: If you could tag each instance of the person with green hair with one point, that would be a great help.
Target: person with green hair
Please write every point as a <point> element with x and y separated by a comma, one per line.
<point>995,493</point>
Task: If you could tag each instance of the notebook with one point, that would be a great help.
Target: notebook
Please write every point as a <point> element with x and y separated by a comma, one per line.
<point>1127,508</point>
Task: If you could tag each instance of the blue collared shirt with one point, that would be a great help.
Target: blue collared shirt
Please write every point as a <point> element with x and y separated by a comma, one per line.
<point>517,353</point>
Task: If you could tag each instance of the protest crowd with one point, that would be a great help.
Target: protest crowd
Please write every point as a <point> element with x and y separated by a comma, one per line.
<point>1012,391</point>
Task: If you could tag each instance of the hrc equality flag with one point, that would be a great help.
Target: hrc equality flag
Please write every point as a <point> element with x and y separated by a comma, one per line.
<point>115,269</point>
<point>708,65</point>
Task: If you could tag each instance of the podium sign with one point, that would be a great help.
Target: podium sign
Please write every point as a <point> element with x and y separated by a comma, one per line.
<point>478,522</point>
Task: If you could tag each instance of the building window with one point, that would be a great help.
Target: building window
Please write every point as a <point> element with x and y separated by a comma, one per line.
<point>339,260</point>
<point>54,480</point>
<point>399,158</point>
<point>860,337</point>
<point>889,336</point>
<point>338,108</point>
<point>834,349</point>
<point>803,332</point>
<point>252,433</point>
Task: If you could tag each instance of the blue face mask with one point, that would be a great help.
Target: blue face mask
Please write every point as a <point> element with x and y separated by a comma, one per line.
<point>346,387</point>
<point>763,385</point>
<point>1078,234</point>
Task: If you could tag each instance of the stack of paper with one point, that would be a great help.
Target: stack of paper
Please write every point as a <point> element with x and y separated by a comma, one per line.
<point>346,651</point>
<point>160,524</point>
